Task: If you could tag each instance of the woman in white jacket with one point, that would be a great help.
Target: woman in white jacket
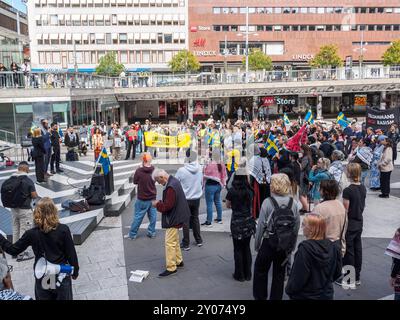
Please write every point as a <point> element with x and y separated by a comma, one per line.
<point>385,166</point>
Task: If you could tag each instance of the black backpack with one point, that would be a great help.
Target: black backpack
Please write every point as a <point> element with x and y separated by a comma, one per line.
<point>11,193</point>
<point>282,234</point>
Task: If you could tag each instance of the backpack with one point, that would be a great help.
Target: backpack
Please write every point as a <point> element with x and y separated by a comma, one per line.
<point>11,193</point>
<point>282,234</point>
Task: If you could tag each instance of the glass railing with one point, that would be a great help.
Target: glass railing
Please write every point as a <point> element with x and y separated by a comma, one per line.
<point>49,80</point>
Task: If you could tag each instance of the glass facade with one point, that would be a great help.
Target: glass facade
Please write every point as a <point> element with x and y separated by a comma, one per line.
<point>11,50</point>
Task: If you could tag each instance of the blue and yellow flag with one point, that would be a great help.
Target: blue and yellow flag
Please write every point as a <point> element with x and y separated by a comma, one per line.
<point>309,117</point>
<point>104,160</point>
<point>342,120</point>
<point>271,145</point>
<point>286,120</point>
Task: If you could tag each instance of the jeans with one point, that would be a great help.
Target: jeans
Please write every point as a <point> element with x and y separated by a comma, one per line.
<point>265,257</point>
<point>213,194</point>
<point>193,222</point>
<point>353,256</point>
<point>385,182</point>
<point>364,175</point>
<point>63,292</point>
<point>141,208</point>
<point>242,257</point>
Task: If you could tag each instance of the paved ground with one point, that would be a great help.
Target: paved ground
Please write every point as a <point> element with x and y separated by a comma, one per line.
<point>107,260</point>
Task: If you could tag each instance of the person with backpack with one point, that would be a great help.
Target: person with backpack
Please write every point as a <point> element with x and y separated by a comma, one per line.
<point>354,202</point>
<point>243,225</point>
<point>317,263</point>
<point>275,238</point>
<point>17,193</point>
<point>52,241</point>
<point>318,173</point>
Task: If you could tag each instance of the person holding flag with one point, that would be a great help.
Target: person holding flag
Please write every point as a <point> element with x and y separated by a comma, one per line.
<point>342,120</point>
<point>309,118</point>
<point>104,160</point>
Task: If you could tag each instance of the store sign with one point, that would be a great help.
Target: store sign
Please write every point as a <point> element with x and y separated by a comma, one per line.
<point>360,100</point>
<point>204,28</point>
<point>268,101</point>
<point>382,119</point>
<point>193,29</point>
<point>162,110</point>
<point>303,57</point>
<point>211,53</point>
<point>286,101</point>
<point>200,42</point>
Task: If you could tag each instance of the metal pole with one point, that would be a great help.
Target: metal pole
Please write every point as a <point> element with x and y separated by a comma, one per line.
<point>247,45</point>
<point>225,54</point>
<point>361,58</point>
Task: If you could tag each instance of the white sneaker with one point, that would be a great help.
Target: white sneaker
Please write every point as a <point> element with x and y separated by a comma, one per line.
<point>126,236</point>
<point>346,285</point>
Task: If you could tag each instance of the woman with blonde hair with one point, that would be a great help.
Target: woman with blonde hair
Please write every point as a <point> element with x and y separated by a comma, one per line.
<point>279,220</point>
<point>317,263</point>
<point>97,142</point>
<point>51,240</point>
<point>38,154</point>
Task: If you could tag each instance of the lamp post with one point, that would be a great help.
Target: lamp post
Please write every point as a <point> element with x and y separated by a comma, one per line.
<point>361,56</point>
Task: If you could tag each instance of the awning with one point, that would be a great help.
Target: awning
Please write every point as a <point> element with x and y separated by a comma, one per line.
<point>62,36</point>
<point>145,36</point>
<point>121,17</point>
<point>100,36</point>
<point>85,36</point>
<point>153,36</point>
<point>131,36</point>
<point>77,36</point>
<point>75,17</point>
<point>98,17</point>
<point>53,36</point>
<point>38,17</point>
<point>68,36</point>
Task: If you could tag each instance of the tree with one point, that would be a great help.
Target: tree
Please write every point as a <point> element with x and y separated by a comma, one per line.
<point>258,60</point>
<point>392,55</point>
<point>327,56</point>
<point>108,65</point>
<point>184,61</point>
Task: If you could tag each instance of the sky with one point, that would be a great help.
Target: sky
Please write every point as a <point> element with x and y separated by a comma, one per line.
<point>18,4</point>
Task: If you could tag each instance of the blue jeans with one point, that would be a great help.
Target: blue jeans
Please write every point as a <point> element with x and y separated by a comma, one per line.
<point>364,175</point>
<point>141,208</point>
<point>213,194</point>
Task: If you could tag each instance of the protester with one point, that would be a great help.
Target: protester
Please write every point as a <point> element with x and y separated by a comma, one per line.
<point>239,199</point>
<point>394,136</point>
<point>131,136</point>
<point>47,145</point>
<point>326,146</point>
<point>334,213</point>
<point>97,143</point>
<point>3,76</point>
<point>117,139</point>
<point>175,212</point>
<point>38,154</point>
<point>191,179</point>
<point>374,177</point>
<point>146,193</point>
<point>83,133</point>
<point>267,238</point>
<point>214,180</point>
<point>306,165</point>
<point>385,165</point>
<point>52,240</point>
<point>91,129</point>
<point>56,149</point>
<point>363,156</point>
<point>317,263</point>
<point>354,203</point>
<point>318,173</point>
<point>7,291</point>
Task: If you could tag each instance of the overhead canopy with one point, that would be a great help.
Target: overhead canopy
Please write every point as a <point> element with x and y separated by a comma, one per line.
<point>53,36</point>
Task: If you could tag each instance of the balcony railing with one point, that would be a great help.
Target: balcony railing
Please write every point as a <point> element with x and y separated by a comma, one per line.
<point>49,80</point>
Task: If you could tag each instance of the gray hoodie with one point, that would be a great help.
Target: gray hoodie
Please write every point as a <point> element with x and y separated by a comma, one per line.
<point>191,178</point>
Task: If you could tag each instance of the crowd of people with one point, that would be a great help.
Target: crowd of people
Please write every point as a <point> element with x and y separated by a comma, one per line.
<point>269,174</point>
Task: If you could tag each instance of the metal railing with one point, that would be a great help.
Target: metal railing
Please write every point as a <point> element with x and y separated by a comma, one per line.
<point>84,80</point>
<point>7,136</point>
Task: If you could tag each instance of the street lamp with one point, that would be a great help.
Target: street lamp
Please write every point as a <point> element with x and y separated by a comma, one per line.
<point>361,49</point>
<point>246,34</point>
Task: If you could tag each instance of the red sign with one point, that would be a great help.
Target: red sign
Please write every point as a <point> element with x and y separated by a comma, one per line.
<point>268,101</point>
<point>193,29</point>
<point>162,110</point>
<point>200,42</point>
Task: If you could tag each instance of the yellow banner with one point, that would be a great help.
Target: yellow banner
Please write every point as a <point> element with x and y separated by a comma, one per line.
<point>157,140</point>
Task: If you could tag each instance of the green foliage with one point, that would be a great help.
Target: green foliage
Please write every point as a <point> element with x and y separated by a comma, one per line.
<point>184,61</point>
<point>108,65</point>
<point>258,60</point>
<point>327,56</point>
<point>392,55</point>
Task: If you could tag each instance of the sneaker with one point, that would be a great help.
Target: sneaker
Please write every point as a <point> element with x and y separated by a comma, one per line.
<point>151,236</point>
<point>345,285</point>
<point>25,256</point>
<point>383,196</point>
<point>60,171</point>
<point>52,172</point>
<point>218,221</point>
<point>126,236</point>
<point>199,244</point>
<point>166,273</point>
<point>40,182</point>
<point>206,223</point>
<point>358,282</point>
<point>181,265</point>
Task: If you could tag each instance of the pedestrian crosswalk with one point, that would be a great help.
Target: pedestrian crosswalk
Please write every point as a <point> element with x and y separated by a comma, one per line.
<point>67,186</point>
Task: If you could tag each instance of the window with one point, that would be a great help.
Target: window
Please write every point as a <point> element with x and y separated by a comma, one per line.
<point>93,57</point>
<point>362,27</point>
<point>381,10</point>
<point>311,28</point>
<point>216,10</point>
<point>295,28</point>
<point>132,56</point>
<point>396,10</point>
<point>225,28</point>
<point>146,57</point>
<point>268,28</point>
<point>114,19</point>
<point>168,38</point>
<point>217,28</point>
<point>123,57</point>
<point>286,28</point>
<point>388,27</point>
<point>303,27</point>
<point>312,10</point>
<point>92,38</point>
<point>388,10</point>
<point>160,56</point>
<point>286,10</point>
<point>295,10</point>
<point>225,10</point>
<point>56,57</point>
<point>396,27</point>
<point>42,58</point>
<point>277,28</point>
<point>303,10</point>
<point>320,28</point>
<point>234,28</point>
<point>329,10</point>
<point>243,10</point>
<point>321,10</point>
<point>233,11</point>
<point>329,28</point>
<point>160,38</point>
<point>379,27</point>
<point>346,27</point>
<point>53,20</point>
<point>339,10</point>
<point>108,38</point>
<point>260,28</point>
<point>260,10</point>
<point>86,56</point>
<point>364,10</point>
<point>278,10</point>
<point>268,10</point>
<point>353,27</point>
<point>371,27</point>
<point>337,27</point>
<point>49,57</point>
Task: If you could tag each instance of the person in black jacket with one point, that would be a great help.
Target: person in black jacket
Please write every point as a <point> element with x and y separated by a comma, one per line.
<point>239,199</point>
<point>317,263</point>
<point>38,154</point>
<point>53,241</point>
<point>55,144</point>
<point>326,147</point>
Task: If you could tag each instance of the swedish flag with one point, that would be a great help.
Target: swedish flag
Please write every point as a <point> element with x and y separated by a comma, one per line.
<point>309,117</point>
<point>342,120</point>
<point>286,119</point>
<point>271,145</point>
<point>104,160</point>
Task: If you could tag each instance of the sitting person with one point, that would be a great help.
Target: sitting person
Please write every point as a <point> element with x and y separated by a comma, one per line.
<point>6,286</point>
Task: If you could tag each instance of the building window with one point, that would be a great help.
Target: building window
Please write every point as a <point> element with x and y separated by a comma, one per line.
<point>295,28</point>
<point>278,10</point>
<point>252,10</point>
<point>313,10</point>
<point>396,27</point>
<point>42,58</point>
<point>295,10</point>
<point>321,10</point>
<point>329,10</point>
<point>381,10</point>
<point>286,10</point>
<point>236,28</point>
<point>93,57</point>
<point>108,38</point>
<point>217,10</point>
<point>217,28</point>
<point>371,27</point>
<point>242,10</point>
<point>53,20</point>
<point>338,10</point>
<point>268,28</point>
<point>259,28</point>
<point>225,28</point>
<point>303,27</point>
<point>160,57</point>
<point>160,38</point>
<point>56,57</point>
<point>277,28</point>
<point>303,10</point>
<point>268,10</point>
<point>320,28</point>
<point>379,27</point>
<point>123,57</point>
<point>123,38</point>
<point>225,10</point>
<point>286,28</point>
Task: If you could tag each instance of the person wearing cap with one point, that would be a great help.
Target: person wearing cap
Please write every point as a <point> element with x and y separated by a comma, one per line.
<point>191,179</point>
<point>7,291</point>
<point>386,167</point>
<point>243,226</point>
<point>363,156</point>
<point>374,176</point>
<point>336,168</point>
